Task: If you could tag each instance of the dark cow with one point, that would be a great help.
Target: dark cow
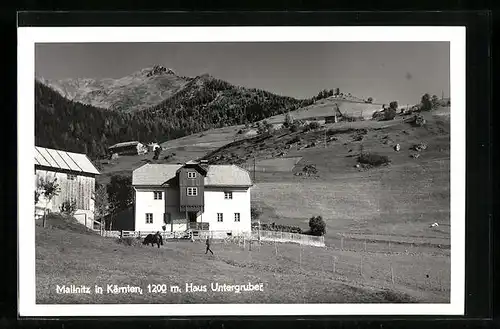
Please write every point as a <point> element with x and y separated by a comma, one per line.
<point>153,239</point>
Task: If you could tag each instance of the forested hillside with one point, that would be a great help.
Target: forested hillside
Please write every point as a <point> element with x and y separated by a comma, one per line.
<point>203,104</point>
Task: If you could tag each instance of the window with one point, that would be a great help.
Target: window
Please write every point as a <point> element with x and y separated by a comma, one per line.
<point>71,177</point>
<point>157,195</point>
<point>236,216</point>
<point>228,195</point>
<point>149,218</point>
<point>192,191</point>
<point>219,217</point>
<point>191,174</point>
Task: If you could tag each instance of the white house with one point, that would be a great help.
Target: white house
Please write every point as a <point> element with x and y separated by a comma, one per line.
<point>192,196</point>
<point>75,175</point>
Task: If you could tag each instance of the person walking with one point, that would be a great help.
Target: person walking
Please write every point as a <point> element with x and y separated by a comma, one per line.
<point>208,246</point>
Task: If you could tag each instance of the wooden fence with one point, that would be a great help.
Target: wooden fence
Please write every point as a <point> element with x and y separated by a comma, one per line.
<point>285,237</point>
<point>263,236</point>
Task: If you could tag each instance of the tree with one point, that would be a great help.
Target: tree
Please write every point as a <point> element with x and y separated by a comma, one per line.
<point>37,196</point>
<point>68,207</point>
<point>369,100</point>
<point>157,152</point>
<point>337,91</point>
<point>120,193</point>
<point>435,102</point>
<point>393,105</point>
<point>317,226</point>
<point>255,212</point>
<point>426,104</point>
<point>101,203</point>
<point>49,189</point>
<point>288,121</point>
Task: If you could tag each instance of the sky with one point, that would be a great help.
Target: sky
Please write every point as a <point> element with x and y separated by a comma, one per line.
<point>386,71</point>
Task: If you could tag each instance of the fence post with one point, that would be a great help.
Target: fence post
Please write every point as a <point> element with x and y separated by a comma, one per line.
<point>392,275</point>
<point>342,242</point>
<point>333,260</point>
<point>389,246</point>
<point>300,257</point>
<point>361,266</point>
<point>275,248</point>
<point>365,245</point>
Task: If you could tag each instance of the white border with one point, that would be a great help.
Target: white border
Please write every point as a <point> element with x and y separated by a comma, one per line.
<point>28,36</point>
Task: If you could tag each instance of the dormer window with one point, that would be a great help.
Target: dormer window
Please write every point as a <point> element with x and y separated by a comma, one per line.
<point>191,174</point>
<point>228,195</point>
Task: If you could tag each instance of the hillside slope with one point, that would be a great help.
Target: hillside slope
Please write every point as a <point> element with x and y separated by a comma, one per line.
<point>203,103</point>
<point>136,91</point>
<point>399,200</point>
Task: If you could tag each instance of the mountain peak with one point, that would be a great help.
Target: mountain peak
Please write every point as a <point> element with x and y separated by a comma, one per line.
<point>158,70</point>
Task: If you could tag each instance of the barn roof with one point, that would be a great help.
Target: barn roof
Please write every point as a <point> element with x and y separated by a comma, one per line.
<point>217,175</point>
<point>124,144</point>
<point>59,159</point>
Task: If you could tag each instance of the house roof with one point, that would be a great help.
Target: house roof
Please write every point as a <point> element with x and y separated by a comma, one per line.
<point>59,159</point>
<point>217,175</point>
<point>124,144</point>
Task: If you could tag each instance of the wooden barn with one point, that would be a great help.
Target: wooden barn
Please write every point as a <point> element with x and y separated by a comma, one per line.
<point>76,179</point>
<point>128,148</point>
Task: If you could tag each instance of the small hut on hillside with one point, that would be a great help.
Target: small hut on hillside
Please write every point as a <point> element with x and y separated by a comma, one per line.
<point>128,148</point>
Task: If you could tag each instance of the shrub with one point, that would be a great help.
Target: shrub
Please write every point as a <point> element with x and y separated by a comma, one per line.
<point>296,139</point>
<point>418,121</point>
<point>294,127</point>
<point>373,159</point>
<point>429,103</point>
<point>255,212</point>
<point>309,170</point>
<point>389,114</point>
<point>317,226</point>
<point>265,128</point>
<point>280,228</point>
<point>314,125</point>
<point>68,207</point>
<point>311,126</point>
<point>288,120</point>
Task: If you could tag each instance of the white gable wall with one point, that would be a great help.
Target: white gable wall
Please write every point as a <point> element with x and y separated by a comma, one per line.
<point>215,203</point>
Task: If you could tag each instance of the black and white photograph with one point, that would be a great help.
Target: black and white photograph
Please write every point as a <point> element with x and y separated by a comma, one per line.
<point>270,174</point>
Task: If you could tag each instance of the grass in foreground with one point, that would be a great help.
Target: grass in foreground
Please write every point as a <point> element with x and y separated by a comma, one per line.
<point>289,274</point>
